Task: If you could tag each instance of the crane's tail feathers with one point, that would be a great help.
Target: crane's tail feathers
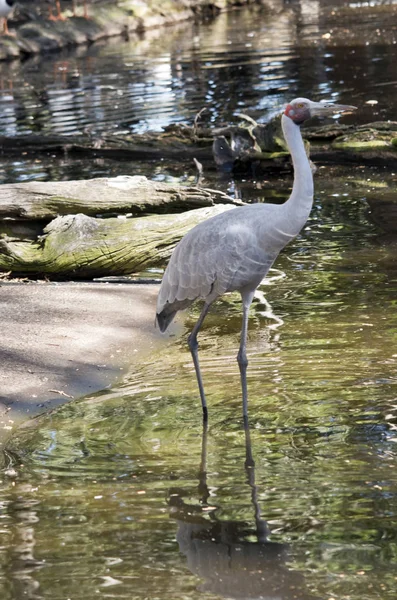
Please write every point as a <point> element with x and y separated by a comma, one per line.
<point>164,319</point>
<point>169,310</point>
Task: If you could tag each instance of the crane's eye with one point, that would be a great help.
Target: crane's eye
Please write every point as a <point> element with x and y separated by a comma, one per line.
<point>300,105</point>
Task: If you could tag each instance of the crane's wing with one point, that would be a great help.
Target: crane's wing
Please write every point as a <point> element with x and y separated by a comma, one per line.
<point>219,255</point>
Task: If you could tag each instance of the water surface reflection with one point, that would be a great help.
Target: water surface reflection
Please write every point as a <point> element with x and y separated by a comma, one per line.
<point>251,61</point>
<point>101,498</point>
<point>233,558</point>
<point>91,487</point>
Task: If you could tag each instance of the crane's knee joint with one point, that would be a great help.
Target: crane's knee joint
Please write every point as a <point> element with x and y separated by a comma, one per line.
<point>242,359</point>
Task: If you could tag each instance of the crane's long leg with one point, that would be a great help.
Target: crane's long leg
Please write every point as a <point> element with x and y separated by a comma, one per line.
<point>242,353</point>
<point>193,345</point>
<point>59,16</point>
<point>203,487</point>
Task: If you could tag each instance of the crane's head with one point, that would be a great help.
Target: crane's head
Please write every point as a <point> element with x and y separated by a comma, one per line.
<point>301,109</point>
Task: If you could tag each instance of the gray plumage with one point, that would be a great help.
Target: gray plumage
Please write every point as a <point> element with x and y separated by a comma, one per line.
<point>225,253</point>
<point>233,251</point>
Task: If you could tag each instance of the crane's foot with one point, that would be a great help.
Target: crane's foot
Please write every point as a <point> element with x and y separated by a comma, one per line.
<point>85,12</point>
<point>57,17</point>
<point>6,31</point>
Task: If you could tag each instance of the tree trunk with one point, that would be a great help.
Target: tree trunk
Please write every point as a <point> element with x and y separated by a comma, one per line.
<point>104,196</point>
<point>84,247</point>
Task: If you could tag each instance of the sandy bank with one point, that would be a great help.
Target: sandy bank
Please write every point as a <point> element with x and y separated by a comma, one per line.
<point>66,340</point>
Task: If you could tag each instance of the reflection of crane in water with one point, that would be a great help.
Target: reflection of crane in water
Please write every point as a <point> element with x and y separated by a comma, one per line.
<point>221,552</point>
<point>235,249</point>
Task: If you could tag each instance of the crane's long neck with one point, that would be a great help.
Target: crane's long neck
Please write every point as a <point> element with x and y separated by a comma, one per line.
<point>300,202</point>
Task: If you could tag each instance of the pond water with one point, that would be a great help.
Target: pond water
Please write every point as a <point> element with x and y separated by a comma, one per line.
<point>123,494</point>
<point>250,61</point>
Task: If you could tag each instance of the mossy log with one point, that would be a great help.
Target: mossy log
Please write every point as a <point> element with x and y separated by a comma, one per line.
<point>80,246</point>
<point>372,143</point>
<point>103,196</point>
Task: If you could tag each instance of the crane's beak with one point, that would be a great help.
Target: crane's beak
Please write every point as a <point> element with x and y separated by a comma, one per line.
<point>326,109</point>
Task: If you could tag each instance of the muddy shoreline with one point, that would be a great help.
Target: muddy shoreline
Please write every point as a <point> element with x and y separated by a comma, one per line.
<point>63,341</point>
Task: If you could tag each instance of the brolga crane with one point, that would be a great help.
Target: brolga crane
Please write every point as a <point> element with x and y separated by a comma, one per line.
<point>233,251</point>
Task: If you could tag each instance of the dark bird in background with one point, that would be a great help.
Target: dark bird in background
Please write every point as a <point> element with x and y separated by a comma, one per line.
<point>233,251</point>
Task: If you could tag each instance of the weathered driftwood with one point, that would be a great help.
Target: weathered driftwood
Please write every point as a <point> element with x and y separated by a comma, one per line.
<point>135,195</point>
<point>83,247</point>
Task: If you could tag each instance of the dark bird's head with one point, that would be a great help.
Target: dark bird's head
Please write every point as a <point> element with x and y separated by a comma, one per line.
<point>302,109</point>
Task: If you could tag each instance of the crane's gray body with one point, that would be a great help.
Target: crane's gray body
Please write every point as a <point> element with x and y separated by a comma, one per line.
<point>235,250</point>
<point>231,251</point>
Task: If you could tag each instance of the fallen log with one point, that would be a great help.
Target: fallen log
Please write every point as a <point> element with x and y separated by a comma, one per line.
<point>103,196</point>
<point>80,246</point>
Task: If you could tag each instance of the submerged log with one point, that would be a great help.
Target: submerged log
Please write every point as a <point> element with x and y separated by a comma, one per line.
<point>234,148</point>
<point>80,246</point>
<point>147,146</point>
<point>104,196</point>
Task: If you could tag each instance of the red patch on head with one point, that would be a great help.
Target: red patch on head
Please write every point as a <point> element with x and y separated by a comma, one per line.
<point>287,109</point>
